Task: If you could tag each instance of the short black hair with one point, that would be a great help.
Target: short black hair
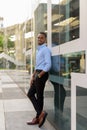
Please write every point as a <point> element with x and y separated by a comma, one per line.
<point>43,34</point>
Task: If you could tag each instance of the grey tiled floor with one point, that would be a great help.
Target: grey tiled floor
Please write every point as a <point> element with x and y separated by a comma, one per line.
<point>15,107</point>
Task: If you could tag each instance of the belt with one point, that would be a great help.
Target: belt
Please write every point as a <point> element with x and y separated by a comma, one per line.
<point>38,70</point>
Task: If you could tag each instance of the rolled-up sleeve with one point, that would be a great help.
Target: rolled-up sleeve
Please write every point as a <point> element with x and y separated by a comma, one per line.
<point>47,58</point>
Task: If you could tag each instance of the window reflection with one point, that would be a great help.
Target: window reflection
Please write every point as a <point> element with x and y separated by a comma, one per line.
<point>65,21</point>
<point>60,77</point>
<point>63,65</point>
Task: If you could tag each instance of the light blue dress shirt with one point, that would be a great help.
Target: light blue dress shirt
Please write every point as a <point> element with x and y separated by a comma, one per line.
<point>43,58</point>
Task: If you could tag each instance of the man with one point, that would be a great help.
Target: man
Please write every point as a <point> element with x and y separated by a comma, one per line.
<point>38,80</point>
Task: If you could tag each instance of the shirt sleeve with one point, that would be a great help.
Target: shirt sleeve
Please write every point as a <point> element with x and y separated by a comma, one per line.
<point>47,57</point>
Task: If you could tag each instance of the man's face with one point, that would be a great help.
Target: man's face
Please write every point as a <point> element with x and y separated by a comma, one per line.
<point>41,39</point>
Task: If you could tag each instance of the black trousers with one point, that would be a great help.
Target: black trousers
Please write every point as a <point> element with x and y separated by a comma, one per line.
<point>36,92</point>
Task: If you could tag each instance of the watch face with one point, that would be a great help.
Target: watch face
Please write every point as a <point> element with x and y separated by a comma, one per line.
<point>39,76</point>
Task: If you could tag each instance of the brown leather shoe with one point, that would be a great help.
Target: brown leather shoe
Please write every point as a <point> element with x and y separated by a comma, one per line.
<point>42,118</point>
<point>33,122</point>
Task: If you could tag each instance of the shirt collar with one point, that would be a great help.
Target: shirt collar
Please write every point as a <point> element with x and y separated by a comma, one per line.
<point>41,46</point>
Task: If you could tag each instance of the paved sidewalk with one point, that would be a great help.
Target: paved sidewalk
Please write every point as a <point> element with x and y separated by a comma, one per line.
<point>15,107</point>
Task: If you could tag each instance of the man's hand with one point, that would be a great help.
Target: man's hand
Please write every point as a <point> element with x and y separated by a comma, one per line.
<point>41,74</point>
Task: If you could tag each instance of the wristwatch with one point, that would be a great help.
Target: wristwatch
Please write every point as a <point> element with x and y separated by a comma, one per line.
<point>39,76</point>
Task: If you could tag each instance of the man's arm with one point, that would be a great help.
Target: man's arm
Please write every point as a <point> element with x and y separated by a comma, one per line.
<point>47,57</point>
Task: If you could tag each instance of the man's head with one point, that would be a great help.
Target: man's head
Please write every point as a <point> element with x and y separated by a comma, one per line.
<point>42,37</point>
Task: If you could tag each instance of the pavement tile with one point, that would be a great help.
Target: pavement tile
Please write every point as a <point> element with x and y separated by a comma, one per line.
<point>13,93</point>
<point>17,105</point>
<point>2,117</point>
<point>0,90</point>
<point>2,121</point>
<point>11,85</point>
<point>1,106</point>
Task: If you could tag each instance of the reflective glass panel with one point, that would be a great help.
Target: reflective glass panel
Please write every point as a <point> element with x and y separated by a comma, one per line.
<point>40,19</point>
<point>60,77</point>
<point>65,21</point>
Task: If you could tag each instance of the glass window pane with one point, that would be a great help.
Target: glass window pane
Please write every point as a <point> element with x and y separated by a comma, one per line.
<point>65,21</point>
<point>40,19</point>
<point>60,77</point>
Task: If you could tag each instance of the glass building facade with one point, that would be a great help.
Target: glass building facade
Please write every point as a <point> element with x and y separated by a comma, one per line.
<point>65,25</point>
